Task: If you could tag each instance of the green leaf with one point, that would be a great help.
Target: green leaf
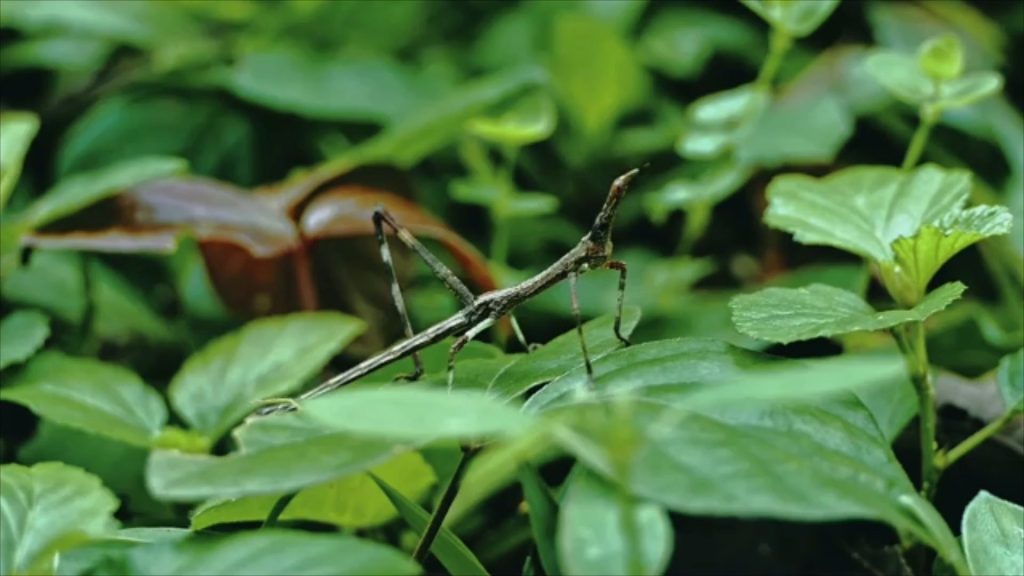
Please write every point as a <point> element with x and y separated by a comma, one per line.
<point>142,25</point>
<point>543,514</point>
<point>530,119</point>
<point>700,373</point>
<point>57,53</point>
<point>121,313</point>
<point>118,465</point>
<point>992,530</point>
<point>797,18</point>
<point>528,205</point>
<point>910,222</point>
<point>969,88</point>
<point>48,508</point>
<point>682,40</point>
<point>22,334</point>
<point>594,71</point>
<point>354,502</point>
<point>715,184</point>
<point>790,314</point>
<point>104,399</point>
<point>797,131</point>
<point>752,462</point>
<point>52,281</point>
<point>603,530</point>
<point>267,552</point>
<point>720,121</point>
<point>561,355</point>
<point>279,454</point>
<point>449,550</point>
<point>268,357</point>
<point>17,129</point>
<point>919,257</point>
<point>80,191</point>
<point>901,75</point>
<point>1011,380</point>
<point>416,413</point>
<point>215,138</point>
<point>326,88</point>
<point>941,57</point>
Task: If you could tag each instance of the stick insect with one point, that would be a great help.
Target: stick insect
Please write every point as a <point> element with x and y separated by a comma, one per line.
<point>478,313</point>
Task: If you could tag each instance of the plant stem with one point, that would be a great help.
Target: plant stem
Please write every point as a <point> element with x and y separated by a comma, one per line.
<point>778,46</point>
<point>419,554</point>
<point>960,450</point>
<point>278,508</point>
<point>924,129</point>
<point>915,354</point>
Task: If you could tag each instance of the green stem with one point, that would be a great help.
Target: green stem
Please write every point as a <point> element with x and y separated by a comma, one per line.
<point>778,46</point>
<point>960,450</point>
<point>917,143</point>
<point>916,355</point>
<point>419,554</point>
<point>278,509</point>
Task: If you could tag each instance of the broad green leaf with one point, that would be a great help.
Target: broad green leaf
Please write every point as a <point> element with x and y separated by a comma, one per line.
<point>941,57</point>
<point>45,509</point>
<point>326,87</point>
<point>268,357</point>
<point>530,119</point>
<point>594,72</point>
<point>992,530</point>
<point>603,530</point>
<point>797,131</point>
<point>100,398</point>
<point>700,373</point>
<point>717,183</point>
<point>720,121</point>
<point>142,25</point>
<point>866,209</point>
<point>790,314</point>
<point>283,461</point>
<point>969,88</point>
<point>354,501</point>
<point>434,125</point>
<point>121,313</point>
<point>543,514</point>
<point>561,355</point>
<point>797,18</point>
<point>1011,380</point>
<point>919,257</point>
<point>217,139</point>
<point>269,552</point>
<point>52,281</point>
<point>22,334</point>
<point>416,413</point>
<point>901,75</point>
<point>449,550</point>
<point>120,466</point>
<point>17,129</point>
<point>80,191</point>
<point>57,53</point>
<point>824,462</point>
<point>681,41</point>
<point>527,205</point>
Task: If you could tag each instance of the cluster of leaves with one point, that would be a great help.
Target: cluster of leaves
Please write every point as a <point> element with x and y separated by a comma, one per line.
<point>158,119</point>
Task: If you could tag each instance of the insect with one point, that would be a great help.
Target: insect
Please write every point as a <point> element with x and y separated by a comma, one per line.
<point>478,313</point>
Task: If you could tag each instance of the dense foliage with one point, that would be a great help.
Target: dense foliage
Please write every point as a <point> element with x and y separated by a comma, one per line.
<point>825,250</point>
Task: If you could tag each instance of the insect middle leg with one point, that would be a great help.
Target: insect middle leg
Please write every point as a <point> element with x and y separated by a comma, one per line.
<point>579,328</point>
<point>621,268</point>
<point>450,280</point>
